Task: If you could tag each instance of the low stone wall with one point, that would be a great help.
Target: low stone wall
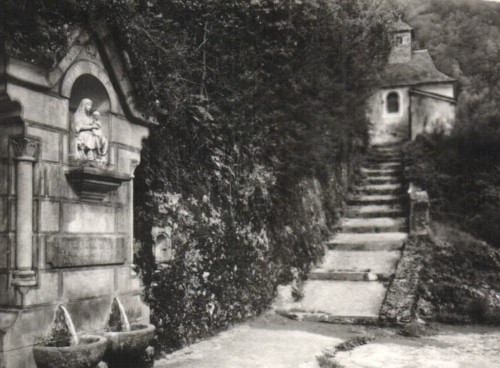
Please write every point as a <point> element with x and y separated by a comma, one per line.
<point>402,296</point>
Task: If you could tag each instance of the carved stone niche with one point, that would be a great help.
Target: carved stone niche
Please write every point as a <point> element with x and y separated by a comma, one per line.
<point>91,174</point>
<point>89,106</point>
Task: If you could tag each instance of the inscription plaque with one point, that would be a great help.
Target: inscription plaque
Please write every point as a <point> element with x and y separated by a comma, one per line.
<point>85,251</point>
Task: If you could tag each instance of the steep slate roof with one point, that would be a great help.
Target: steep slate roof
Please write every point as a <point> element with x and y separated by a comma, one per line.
<point>401,26</point>
<point>420,69</point>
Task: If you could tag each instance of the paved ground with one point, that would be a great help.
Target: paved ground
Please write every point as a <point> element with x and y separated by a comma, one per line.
<point>452,347</point>
<point>272,341</point>
<point>268,342</point>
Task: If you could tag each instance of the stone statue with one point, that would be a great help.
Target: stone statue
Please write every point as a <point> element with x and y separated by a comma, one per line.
<point>92,145</point>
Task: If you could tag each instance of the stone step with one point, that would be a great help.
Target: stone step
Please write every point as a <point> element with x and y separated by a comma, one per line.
<point>368,199</point>
<point>376,210</point>
<point>373,225</point>
<point>383,165</point>
<point>385,154</point>
<point>379,188</point>
<point>385,151</point>
<point>338,298</point>
<point>356,265</point>
<point>381,179</point>
<point>367,241</point>
<point>375,172</point>
<point>347,276</point>
<point>328,318</point>
<point>383,158</point>
<point>391,145</point>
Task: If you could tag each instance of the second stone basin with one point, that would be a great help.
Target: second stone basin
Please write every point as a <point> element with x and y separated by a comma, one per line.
<point>124,345</point>
<point>86,354</point>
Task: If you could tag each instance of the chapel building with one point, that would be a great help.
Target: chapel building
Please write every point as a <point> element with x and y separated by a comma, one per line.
<point>414,96</point>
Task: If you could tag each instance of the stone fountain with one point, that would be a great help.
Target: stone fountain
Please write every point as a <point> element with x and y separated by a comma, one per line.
<point>127,343</point>
<point>65,349</point>
<point>70,140</point>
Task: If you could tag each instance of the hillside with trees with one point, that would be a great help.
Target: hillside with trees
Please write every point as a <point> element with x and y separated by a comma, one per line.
<point>462,173</point>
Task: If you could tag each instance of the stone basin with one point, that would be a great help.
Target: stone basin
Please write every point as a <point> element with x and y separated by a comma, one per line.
<point>129,344</point>
<point>86,354</point>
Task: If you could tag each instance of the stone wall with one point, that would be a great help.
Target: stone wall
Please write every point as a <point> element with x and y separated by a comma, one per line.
<point>432,114</point>
<point>402,295</point>
<point>388,127</point>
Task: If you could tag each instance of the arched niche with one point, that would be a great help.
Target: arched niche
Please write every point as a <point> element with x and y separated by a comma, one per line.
<point>87,86</point>
<point>84,67</point>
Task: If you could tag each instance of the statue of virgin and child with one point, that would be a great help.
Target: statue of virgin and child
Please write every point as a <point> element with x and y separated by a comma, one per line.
<point>91,144</point>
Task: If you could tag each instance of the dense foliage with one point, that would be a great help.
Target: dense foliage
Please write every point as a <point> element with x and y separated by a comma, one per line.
<point>462,175</point>
<point>274,101</point>
<point>459,280</point>
<point>260,110</point>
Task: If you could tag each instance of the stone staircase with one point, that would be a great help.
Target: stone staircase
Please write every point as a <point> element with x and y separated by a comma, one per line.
<point>351,284</point>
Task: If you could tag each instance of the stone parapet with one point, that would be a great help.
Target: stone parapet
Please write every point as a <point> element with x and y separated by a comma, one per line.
<point>399,306</point>
<point>419,219</point>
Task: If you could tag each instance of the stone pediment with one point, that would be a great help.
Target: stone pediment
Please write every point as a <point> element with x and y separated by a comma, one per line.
<point>91,52</point>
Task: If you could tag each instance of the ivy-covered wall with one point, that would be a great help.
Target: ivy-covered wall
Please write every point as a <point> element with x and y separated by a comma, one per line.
<point>261,117</point>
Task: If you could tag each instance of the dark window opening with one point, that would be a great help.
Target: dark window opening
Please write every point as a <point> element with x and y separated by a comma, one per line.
<point>393,102</point>
<point>399,40</point>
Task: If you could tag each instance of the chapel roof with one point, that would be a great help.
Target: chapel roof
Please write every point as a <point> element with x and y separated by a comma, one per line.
<point>401,26</point>
<point>420,69</point>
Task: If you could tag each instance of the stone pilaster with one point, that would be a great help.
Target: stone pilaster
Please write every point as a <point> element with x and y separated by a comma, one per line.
<point>25,155</point>
<point>133,166</point>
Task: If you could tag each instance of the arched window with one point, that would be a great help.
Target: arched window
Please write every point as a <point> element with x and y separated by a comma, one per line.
<point>393,102</point>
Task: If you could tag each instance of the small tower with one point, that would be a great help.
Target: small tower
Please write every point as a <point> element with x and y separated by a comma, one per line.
<point>401,43</point>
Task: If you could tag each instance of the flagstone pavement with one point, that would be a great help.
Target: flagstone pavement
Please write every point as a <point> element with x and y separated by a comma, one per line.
<point>272,341</point>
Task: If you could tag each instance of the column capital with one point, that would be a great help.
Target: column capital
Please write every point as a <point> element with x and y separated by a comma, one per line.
<point>25,148</point>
